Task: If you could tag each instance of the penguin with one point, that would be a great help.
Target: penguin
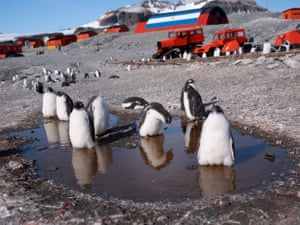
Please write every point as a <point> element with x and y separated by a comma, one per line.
<point>64,106</point>
<point>49,103</point>
<point>152,118</point>
<point>98,109</point>
<point>81,127</point>
<point>97,74</point>
<point>216,140</point>
<point>134,103</point>
<point>49,100</point>
<point>191,101</point>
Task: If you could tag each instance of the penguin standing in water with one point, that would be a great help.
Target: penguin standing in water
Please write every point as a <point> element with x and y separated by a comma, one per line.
<point>64,106</point>
<point>81,127</point>
<point>49,101</point>
<point>152,118</point>
<point>98,109</point>
<point>216,141</point>
<point>191,101</point>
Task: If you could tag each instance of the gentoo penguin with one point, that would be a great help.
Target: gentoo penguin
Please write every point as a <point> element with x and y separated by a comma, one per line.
<point>216,141</point>
<point>98,109</point>
<point>81,128</point>
<point>191,101</point>
<point>64,105</point>
<point>152,118</point>
<point>134,103</point>
<point>49,100</point>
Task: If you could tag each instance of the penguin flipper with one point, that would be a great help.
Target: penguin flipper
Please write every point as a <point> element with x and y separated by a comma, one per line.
<point>232,146</point>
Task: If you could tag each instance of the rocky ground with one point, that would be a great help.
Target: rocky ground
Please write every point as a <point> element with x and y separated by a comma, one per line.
<point>260,96</point>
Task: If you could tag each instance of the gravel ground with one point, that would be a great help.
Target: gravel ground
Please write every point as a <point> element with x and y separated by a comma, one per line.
<point>259,95</point>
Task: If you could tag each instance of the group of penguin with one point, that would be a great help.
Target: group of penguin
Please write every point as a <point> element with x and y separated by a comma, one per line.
<point>216,140</point>
<point>85,123</point>
<point>91,121</point>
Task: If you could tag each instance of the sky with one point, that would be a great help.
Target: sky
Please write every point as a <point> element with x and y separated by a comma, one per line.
<point>38,16</point>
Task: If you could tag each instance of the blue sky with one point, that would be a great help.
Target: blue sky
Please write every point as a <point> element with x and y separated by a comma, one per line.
<point>36,16</point>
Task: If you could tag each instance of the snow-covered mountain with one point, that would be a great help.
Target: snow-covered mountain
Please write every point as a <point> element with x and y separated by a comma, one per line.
<point>132,14</point>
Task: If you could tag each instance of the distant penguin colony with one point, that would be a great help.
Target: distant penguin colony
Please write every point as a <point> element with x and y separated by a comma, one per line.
<point>152,118</point>
<point>98,109</point>
<point>81,128</point>
<point>191,101</point>
<point>216,141</point>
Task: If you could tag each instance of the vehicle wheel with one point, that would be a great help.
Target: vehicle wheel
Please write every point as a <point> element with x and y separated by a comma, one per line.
<point>156,56</point>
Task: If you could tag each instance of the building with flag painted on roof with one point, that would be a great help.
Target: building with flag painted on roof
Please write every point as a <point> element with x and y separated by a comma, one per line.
<point>195,14</point>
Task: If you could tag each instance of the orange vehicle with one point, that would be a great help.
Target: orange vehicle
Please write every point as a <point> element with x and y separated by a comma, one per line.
<point>230,40</point>
<point>10,49</point>
<point>178,42</point>
<point>290,38</point>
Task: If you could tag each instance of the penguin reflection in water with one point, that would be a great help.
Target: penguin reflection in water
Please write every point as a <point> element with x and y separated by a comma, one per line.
<point>81,127</point>
<point>216,180</point>
<point>152,150</point>
<point>216,140</point>
<point>152,118</point>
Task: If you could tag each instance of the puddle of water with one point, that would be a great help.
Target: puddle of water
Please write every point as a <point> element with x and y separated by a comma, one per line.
<point>158,168</point>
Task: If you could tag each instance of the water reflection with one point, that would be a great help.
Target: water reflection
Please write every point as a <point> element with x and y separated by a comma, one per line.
<point>57,133</point>
<point>215,180</point>
<point>104,157</point>
<point>84,163</point>
<point>63,131</point>
<point>191,131</point>
<point>152,151</point>
<point>162,167</point>
<point>87,162</point>
<point>51,128</point>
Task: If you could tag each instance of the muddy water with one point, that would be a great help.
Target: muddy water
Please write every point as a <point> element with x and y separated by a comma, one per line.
<point>158,168</point>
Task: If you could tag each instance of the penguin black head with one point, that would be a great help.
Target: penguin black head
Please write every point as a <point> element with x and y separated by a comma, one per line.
<point>50,89</point>
<point>78,105</point>
<point>190,81</point>
<point>159,108</point>
<point>60,93</point>
<point>39,88</point>
<point>215,108</point>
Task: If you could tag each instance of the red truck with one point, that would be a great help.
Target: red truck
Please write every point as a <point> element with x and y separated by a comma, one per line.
<point>290,39</point>
<point>178,42</point>
<point>229,40</point>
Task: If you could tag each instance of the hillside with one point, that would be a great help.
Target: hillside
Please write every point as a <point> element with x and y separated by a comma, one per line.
<point>132,14</point>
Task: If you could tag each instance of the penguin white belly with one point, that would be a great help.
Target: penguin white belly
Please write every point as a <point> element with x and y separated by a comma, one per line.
<point>151,127</point>
<point>215,142</point>
<point>61,108</point>
<point>101,116</point>
<point>49,105</point>
<point>187,109</point>
<point>79,130</point>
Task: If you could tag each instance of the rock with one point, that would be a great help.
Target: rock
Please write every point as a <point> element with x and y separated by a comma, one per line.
<point>15,165</point>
